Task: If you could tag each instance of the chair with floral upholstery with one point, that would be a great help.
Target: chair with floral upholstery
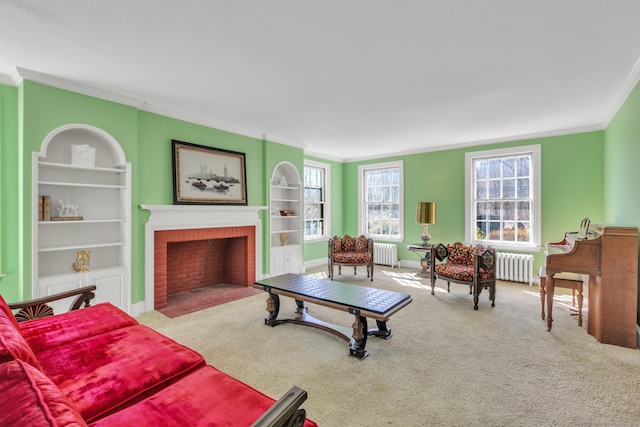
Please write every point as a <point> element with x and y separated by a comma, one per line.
<point>351,251</point>
<point>474,266</point>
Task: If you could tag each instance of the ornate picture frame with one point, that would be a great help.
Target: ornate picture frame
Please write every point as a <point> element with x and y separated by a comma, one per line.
<point>208,176</point>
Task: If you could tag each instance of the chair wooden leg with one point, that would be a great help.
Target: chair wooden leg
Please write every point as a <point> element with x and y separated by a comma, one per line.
<point>580,297</point>
<point>543,294</point>
<point>354,271</point>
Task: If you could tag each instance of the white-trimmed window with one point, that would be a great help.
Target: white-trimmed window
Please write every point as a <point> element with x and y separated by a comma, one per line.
<point>503,198</point>
<point>380,191</point>
<point>316,200</point>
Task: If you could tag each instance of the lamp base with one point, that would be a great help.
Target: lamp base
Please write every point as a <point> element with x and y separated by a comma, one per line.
<point>425,238</point>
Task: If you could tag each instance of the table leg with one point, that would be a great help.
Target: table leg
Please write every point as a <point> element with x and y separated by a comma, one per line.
<point>359,338</point>
<point>273,307</point>
<point>381,331</point>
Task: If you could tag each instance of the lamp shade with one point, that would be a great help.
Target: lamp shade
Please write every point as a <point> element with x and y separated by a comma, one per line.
<point>426,213</point>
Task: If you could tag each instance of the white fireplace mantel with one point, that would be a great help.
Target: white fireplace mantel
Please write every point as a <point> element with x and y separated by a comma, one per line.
<point>178,217</point>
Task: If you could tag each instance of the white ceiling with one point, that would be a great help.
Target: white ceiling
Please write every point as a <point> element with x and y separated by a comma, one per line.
<point>343,79</point>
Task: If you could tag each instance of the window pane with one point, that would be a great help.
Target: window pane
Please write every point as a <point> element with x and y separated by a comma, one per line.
<point>494,168</point>
<point>494,189</point>
<point>524,166</point>
<point>509,211</point>
<point>523,187</point>
<point>481,169</point>
<point>523,232</point>
<point>508,232</point>
<point>509,167</point>
<point>481,189</point>
<point>508,188</point>
<point>524,211</point>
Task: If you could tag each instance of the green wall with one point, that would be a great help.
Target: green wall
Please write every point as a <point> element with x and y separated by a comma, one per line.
<point>318,250</point>
<point>590,174</point>
<point>622,174</point>
<point>9,218</point>
<point>572,188</point>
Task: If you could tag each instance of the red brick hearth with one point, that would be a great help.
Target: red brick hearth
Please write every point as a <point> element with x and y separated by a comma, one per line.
<point>188,259</point>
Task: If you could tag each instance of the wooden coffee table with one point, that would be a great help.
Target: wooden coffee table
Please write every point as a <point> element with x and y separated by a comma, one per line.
<point>361,301</point>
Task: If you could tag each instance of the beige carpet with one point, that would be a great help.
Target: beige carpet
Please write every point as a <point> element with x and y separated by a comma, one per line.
<point>446,364</point>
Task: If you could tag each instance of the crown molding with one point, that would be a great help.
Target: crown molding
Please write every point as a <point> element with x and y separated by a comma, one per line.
<point>10,79</point>
<point>629,84</point>
<point>60,83</point>
<point>167,112</point>
<point>476,143</point>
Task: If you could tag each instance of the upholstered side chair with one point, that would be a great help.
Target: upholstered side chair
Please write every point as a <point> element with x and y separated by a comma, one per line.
<point>352,252</point>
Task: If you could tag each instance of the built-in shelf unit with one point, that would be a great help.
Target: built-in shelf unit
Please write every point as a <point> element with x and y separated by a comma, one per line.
<point>89,209</point>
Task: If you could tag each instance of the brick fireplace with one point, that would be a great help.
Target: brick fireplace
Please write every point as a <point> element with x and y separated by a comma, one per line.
<point>189,247</point>
<point>189,259</point>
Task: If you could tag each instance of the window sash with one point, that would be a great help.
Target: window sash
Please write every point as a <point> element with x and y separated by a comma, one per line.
<point>503,197</point>
<point>315,204</point>
<point>381,201</point>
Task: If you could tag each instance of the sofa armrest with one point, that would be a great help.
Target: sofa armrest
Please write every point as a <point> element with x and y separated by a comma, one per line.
<point>35,308</point>
<point>286,411</point>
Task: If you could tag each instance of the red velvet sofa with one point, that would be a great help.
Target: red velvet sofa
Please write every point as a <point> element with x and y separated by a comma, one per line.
<point>98,366</point>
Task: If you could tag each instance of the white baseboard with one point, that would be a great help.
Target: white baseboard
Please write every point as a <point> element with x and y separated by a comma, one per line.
<point>138,308</point>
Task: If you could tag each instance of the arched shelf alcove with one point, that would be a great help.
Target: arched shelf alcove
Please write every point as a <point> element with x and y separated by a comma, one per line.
<point>285,214</point>
<point>81,205</point>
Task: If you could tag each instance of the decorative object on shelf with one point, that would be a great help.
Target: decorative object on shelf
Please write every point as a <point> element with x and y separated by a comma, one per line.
<point>283,239</point>
<point>83,155</point>
<point>425,215</point>
<point>66,208</point>
<point>286,213</point>
<point>82,262</point>
<point>210,176</point>
<point>275,212</point>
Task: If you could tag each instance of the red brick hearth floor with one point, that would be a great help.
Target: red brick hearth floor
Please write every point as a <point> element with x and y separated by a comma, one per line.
<point>199,299</point>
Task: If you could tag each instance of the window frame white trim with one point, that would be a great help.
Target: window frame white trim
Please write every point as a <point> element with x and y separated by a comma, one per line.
<point>327,201</point>
<point>361,220</point>
<point>536,154</point>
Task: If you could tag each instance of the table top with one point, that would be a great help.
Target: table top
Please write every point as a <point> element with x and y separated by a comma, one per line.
<point>418,247</point>
<point>361,297</point>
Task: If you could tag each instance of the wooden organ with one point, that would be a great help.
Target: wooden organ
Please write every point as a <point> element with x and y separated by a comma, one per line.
<point>609,256</point>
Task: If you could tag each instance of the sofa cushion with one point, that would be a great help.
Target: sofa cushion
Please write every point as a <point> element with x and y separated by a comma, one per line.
<point>460,272</point>
<point>109,371</point>
<point>362,244</point>
<point>460,254</point>
<point>337,244</point>
<point>29,398</point>
<point>52,331</point>
<point>206,397</point>
<point>352,257</point>
<point>7,311</point>
<point>348,244</point>
<point>13,346</point>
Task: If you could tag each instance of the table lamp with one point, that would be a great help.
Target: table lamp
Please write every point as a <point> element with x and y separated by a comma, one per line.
<point>425,215</point>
